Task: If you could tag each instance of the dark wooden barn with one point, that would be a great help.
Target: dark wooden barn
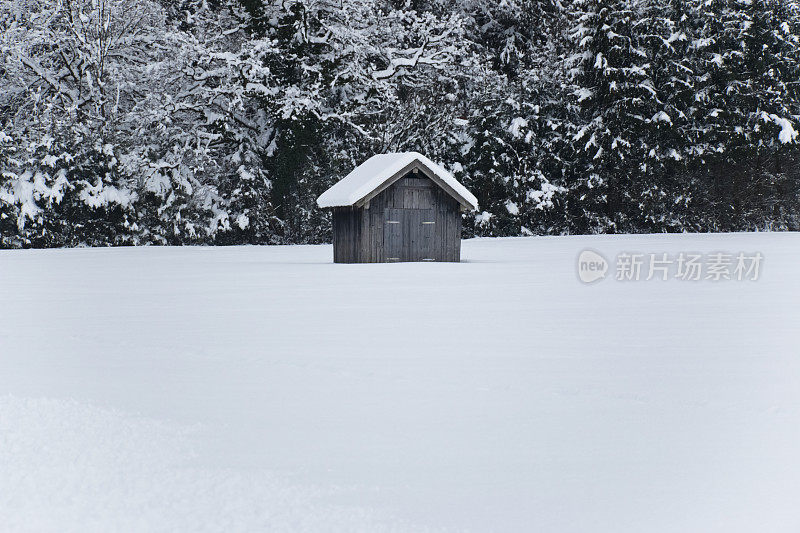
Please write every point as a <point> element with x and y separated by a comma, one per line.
<point>397,207</point>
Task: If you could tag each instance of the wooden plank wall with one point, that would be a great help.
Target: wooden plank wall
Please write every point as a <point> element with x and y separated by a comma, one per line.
<point>347,234</point>
<point>358,233</point>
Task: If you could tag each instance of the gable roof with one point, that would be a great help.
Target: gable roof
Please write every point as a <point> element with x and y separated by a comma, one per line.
<point>380,171</point>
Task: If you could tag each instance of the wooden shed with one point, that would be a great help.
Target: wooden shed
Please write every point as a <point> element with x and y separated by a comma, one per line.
<point>397,207</point>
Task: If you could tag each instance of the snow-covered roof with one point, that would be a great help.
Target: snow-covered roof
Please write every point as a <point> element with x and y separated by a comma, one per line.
<point>384,169</point>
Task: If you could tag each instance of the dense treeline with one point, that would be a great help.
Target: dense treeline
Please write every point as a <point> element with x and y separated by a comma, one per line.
<point>213,121</point>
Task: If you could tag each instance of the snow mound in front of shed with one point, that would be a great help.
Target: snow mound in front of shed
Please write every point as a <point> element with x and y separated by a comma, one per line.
<point>376,170</point>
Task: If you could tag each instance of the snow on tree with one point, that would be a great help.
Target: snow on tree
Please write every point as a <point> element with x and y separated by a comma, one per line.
<point>616,108</point>
<point>204,121</point>
<point>746,64</point>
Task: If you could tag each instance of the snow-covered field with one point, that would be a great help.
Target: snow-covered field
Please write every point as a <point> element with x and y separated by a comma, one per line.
<point>266,389</point>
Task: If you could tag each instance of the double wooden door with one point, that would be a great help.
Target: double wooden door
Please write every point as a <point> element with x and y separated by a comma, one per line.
<point>408,235</point>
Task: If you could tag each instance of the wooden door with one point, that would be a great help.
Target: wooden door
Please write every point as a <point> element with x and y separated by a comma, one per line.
<point>408,235</point>
<point>393,235</point>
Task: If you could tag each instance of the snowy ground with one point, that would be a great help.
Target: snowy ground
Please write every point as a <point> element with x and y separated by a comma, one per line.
<point>265,389</point>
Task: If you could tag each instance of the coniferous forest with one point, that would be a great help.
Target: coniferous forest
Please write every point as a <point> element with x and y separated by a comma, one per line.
<point>221,121</point>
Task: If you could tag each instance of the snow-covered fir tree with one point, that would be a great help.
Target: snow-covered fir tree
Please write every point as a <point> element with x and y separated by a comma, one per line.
<point>617,109</point>
<point>745,59</point>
